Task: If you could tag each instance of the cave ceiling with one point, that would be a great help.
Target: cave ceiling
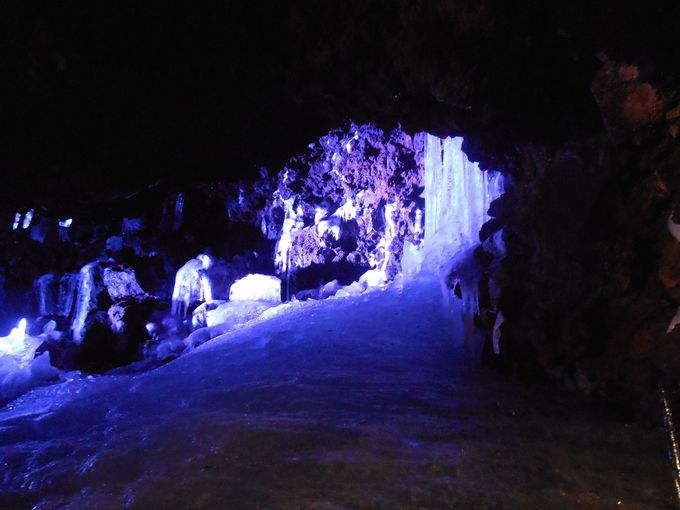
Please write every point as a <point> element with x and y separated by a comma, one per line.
<point>100,101</point>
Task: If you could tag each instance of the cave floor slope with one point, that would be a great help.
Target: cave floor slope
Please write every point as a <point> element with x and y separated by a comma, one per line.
<point>361,402</point>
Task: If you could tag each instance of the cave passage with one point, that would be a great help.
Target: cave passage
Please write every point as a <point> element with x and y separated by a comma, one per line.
<point>359,402</point>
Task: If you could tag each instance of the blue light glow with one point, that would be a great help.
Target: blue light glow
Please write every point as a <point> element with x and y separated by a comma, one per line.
<point>27,219</point>
<point>66,223</point>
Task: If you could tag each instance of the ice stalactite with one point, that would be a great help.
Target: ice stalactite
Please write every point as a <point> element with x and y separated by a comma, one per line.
<point>45,290</point>
<point>17,221</point>
<point>293,220</point>
<point>27,219</point>
<point>457,199</point>
<point>86,299</point>
<point>390,233</point>
<point>99,286</point>
<point>178,216</point>
<point>68,291</point>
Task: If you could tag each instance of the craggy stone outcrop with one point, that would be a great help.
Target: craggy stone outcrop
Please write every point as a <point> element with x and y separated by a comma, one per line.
<point>347,204</point>
<point>589,285</point>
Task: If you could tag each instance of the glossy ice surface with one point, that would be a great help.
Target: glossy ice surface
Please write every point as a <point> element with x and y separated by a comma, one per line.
<point>358,402</point>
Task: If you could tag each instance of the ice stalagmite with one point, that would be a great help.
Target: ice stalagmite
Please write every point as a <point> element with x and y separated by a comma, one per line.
<point>192,284</point>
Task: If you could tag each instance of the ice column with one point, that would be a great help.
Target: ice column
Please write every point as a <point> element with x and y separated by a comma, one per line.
<point>457,199</point>
<point>86,299</point>
<point>45,290</point>
<point>192,283</point>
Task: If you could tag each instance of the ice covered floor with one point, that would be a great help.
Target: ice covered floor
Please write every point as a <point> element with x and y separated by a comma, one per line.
<point>360,402</point>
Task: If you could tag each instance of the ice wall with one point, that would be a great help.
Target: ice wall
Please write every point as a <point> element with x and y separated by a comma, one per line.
<point>457,198</point>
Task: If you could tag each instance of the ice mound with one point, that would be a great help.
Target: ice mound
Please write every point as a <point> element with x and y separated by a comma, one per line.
<point>256,287</point>
<point>19,370</point>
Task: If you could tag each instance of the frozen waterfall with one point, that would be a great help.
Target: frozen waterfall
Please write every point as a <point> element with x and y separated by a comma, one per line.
<point>457,199</point>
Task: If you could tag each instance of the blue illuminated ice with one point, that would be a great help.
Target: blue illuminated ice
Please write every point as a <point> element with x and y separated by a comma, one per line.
<point>179,211</point>
<point>66,223</point>
<point>192,284</point>
<point>291,222</point>
<point>20,370</point>
<point>256,287</point>
<point>17,220</point>
<point>27,219</point>
<point>457,199</point>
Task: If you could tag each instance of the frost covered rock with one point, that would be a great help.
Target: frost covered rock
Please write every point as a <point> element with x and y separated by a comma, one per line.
<point>329,289</point>
<point>129,316</point>
<point>201,316</point>
<point>256,287</point>
<point>226,316</point>
<point>115,337</point>
<point>100,285</point>
<point>120,282</point>
<point>354,289</point>
<point>346,205</point>
<point>373,278</point>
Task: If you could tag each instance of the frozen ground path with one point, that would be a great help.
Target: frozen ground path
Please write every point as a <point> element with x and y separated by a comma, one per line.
<point>351,403</point>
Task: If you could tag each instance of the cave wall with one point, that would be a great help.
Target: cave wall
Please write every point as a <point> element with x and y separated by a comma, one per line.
<point>590,281</point>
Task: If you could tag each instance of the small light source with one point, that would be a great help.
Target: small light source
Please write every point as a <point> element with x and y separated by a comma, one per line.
<point>27,219</point>
<point>66,223</point>
<point>17,220</point>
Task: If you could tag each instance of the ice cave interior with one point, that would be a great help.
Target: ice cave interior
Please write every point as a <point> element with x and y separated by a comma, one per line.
<point>359,210</point>
<point>333,255</point>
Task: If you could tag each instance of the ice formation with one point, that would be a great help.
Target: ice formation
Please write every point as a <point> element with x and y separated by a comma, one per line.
<point>19,369</point>
<point>44,287</point>
<point>179,210</point>
<point>68,291</point>
<point>66,223</point>
<point>17,220</point>
<point>15,343</point>
<point>86,299</point>
<point>95,279</point>
<point>457,199</point>
<point>256,287</point>
<point>284,244</point>
<point>27,219</point>
<point>192,284</point>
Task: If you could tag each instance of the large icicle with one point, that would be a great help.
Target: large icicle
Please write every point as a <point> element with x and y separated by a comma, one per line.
<point>457,199</point>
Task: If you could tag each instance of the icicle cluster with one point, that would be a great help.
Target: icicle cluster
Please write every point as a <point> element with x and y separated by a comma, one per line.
<point>457,199</point>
